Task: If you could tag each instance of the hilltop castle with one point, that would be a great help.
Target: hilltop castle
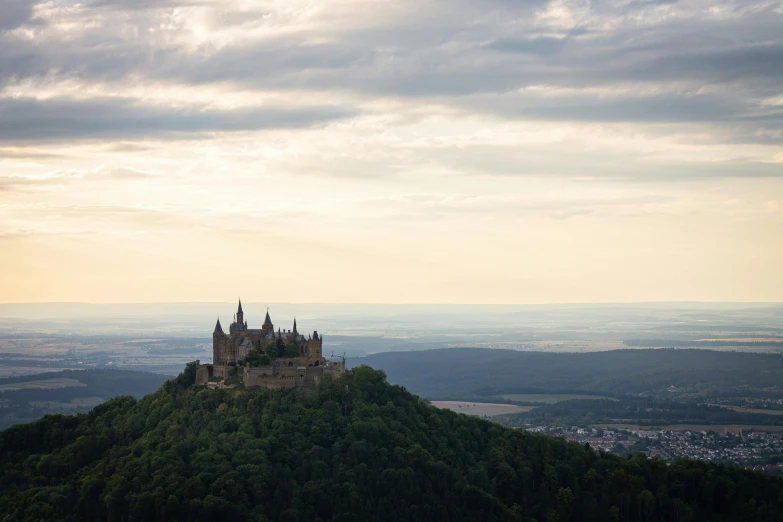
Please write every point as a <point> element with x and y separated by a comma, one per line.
<point>300,360</point>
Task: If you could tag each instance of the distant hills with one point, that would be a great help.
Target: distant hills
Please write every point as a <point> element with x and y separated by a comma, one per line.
<point>352,450</point>
<point>674,373</point>
<point>27,398</point>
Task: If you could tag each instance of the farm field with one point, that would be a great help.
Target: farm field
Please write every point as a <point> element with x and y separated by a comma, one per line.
<point>81,402</point>
<point>749,410</point>
<point>480,408</point>
<point>43,384</point>
<point>589,346</point>
<point>21,371</point>
<point>549,398</point>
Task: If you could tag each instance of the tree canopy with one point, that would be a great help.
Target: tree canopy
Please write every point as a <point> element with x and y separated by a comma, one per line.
<point>354,449</point>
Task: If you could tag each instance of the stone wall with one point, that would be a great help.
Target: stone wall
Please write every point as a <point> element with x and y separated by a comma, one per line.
<point>274,377</point>
<point>221,370</point>
<point>281,375</point>
<point>202,374</point>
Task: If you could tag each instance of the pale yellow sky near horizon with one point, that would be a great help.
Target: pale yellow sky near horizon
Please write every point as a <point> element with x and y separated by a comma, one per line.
<point>394,152</point>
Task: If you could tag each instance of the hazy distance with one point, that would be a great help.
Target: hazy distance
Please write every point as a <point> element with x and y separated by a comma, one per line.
<point>360,329</point>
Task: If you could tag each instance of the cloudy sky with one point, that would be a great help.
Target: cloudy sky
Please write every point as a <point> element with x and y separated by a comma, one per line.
<point>461,151</point>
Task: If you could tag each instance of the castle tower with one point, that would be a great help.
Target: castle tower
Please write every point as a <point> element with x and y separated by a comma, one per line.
<point>315,346</point>
<point>240,316</point>
<point>294,330</point>
<point>217,343</point>
<point>267,327</point>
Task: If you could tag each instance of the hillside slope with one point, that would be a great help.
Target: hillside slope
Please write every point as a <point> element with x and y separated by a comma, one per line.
<point>356,449</point>
<point>464,371</point>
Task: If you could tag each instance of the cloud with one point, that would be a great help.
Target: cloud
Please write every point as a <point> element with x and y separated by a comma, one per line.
<point>409,48</point>
<point>14,13</point>
<point>499,52</point>
<point>100,173</point>
<point>109,219</point>
<point>710,63</point>
<point>64,177</point>
<point>548,160</point>
<point>613,107</point>
<point>26,153</point>
<point>25,119</point>
<point>541,45</point>
<point>424,207</point>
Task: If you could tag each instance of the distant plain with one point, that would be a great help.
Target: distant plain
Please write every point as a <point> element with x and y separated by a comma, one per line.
<point>482,409</point>
<point>549,398</point>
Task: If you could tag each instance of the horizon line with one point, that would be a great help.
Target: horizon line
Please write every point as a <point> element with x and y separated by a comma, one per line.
<point>379,303</point>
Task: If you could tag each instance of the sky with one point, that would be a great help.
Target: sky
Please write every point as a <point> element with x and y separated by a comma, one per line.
<point>391,151</point>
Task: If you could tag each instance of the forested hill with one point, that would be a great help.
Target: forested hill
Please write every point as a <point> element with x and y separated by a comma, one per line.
<point>353,450</point>
<point>483,372</point>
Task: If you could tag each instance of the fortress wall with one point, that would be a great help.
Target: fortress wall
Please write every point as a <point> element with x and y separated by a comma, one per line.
<point>220,370</point>
<point>286,371</point>
<point>202,374</point>
<point>295,361</point>
<point>272,380</point>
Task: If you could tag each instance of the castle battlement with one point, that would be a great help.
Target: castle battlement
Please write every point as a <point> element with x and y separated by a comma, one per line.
<point>230,352</point>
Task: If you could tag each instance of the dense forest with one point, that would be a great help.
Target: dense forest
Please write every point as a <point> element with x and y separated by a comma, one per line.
<point>355,449</point>
<point>673,373</point>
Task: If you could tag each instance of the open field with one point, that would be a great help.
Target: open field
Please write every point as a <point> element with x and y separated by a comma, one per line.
<point>21,371</point>
<point>81,402</point>
<point>721,428</point>
<point>43,384</point>
<point>749,345</point>
<point>549,398</point>
<point>749,410</point>
<point>480,408</point>
<point>554,346</point>
<point>745,339</point>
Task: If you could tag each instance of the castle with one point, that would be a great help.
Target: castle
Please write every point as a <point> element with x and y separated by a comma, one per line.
<point>296,360</point>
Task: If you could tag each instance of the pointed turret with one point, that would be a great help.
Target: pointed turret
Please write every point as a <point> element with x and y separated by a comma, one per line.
<point>294,330</point>
<point>240,315</point>
<point>218,328</point>
<point>267,328</point>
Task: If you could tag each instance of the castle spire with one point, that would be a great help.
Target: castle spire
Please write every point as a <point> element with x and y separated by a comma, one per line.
<point>240,315</point>
<point>218,328</point>
<point>295,332</point>
<point>267,321</point>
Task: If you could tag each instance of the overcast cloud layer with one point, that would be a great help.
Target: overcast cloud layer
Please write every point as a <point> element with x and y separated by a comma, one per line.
<point>346,150</point>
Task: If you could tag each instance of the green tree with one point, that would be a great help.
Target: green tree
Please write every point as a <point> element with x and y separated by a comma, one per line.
<point>257,358</point>
<point>291,350</point>
<point>271,350</point>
